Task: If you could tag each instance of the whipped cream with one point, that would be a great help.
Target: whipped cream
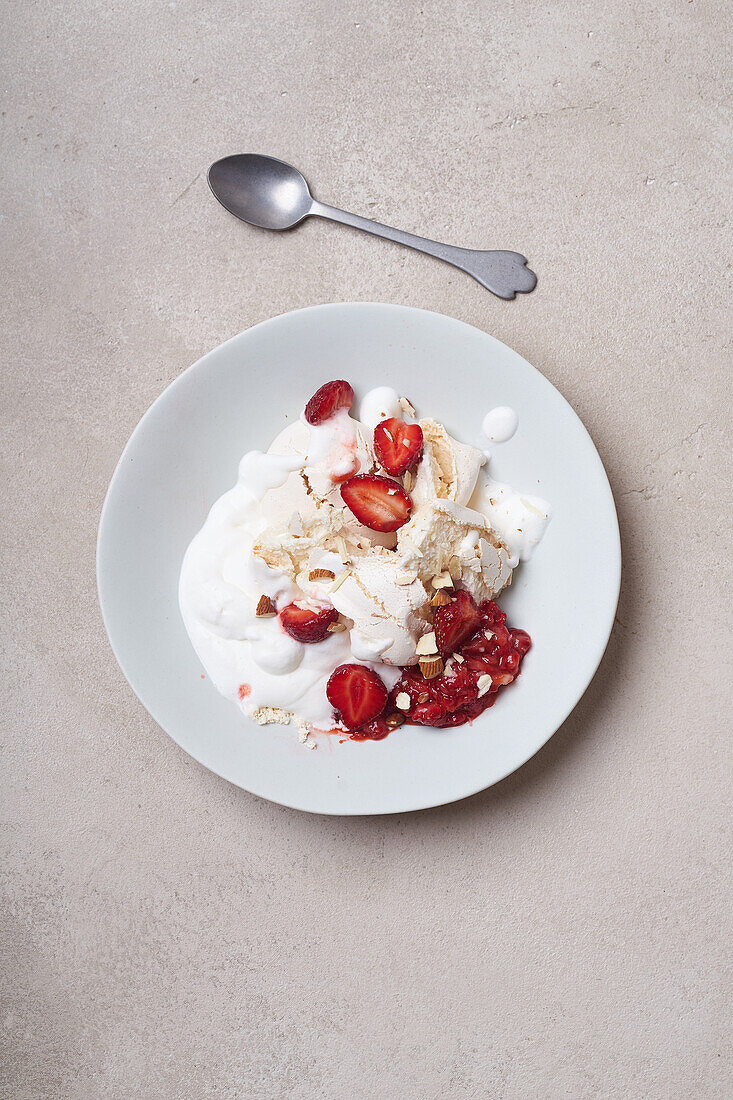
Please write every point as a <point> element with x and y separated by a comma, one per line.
<point>284,532</point>
<point>500,424</point>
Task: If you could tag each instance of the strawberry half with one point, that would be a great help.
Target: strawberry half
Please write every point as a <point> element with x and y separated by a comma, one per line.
<point>306,625</point>
<point>456,622</point>
<point>377,502</point>
<point>327,401</point>
<point>397,445</point>
<point>357,695</point>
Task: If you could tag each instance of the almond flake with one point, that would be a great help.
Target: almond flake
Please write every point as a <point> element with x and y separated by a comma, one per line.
<point>335,628</point>
<point>427,645</point>
<point>389,435</point>
<point>440,599</point>
<point>531,508</point>
<point>340,580</point>
<point>405,578</point>
<point>265,608</point>
<point>321,575</point>
<point>489,634</point>
<point>408,482</point>
<point>443,580</point>
<point>407,406</point>
<point>402,701</point>
<point>423,697</point>
<point>431,666</point>
<point>457,657</point>
<point>342,551</point>
<point>405,442</point>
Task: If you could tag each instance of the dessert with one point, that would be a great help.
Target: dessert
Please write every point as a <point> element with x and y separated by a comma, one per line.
<point>347,582</point>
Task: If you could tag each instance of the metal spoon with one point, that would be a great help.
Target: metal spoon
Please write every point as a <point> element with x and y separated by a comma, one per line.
<point>273,195</point>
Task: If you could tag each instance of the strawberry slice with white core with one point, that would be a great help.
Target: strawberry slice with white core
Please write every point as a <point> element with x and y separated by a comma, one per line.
<point>356,694</point>
<point>307,624</point>
<point>456,622</point>
<point>377,502</point>
<point>328,400</point>
<point>398,446</point>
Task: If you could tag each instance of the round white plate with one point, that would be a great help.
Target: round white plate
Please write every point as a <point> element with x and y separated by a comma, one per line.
<point>184,453</point>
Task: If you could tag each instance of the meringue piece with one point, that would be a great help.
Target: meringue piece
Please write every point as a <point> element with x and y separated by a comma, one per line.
<point>448,470</point>
<point>446,529</point>
<point>384,612</point>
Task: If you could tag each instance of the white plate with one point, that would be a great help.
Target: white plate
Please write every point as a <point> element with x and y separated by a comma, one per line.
<point>184,453</point>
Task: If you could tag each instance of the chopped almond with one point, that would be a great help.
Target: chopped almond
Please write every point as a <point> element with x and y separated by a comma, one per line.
<point>402,701</point>
<point>443,580</point>
<point>336,628</point>
<point>427,645</point>
<point>265,608</point>
<point>483,684</point>
<point>407,406</point>
<point>440,599</point>
<point>431,666</point>
<point>423,697</point>
<point>408,481</point>
<point>321,575</point>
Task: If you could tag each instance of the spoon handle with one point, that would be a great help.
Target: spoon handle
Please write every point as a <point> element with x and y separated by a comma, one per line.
<point>503,273</point>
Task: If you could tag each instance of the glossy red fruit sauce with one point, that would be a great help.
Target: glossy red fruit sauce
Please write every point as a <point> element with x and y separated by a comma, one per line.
<point>451,698</point>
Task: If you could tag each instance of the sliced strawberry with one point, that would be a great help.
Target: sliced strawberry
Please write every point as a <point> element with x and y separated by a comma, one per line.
<point>377,502</point>
<point>357,694</point>
<point>306,625</point>
<point>397,445</point>
<point>327,401</point>
<point>456,622</point>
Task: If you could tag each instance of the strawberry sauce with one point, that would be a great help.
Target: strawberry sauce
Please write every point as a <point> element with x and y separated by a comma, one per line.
<point>453,698</point>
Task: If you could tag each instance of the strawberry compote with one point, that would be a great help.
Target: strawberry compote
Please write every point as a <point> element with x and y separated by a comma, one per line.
<point>453,697</point>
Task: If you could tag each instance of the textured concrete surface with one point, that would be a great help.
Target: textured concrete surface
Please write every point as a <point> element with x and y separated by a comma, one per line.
<point>562,935</point>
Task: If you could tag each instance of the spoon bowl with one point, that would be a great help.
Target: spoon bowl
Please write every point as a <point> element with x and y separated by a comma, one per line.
<point>260,190</point>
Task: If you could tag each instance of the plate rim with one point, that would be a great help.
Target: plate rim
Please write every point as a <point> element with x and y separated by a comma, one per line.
<point>325,307</point>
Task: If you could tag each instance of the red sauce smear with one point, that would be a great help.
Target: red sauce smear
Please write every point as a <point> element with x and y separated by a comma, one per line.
<point>244,691</point>
<point>451,699</point>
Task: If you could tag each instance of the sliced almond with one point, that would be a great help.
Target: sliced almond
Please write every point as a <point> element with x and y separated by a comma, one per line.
<point>342,551</point>
<point>443,580</point>
<point>321,575</point>
<point>405,578</point>
<point>265,608</point>
<point>340,580</point>
<point>335,628</point>
<point>395,720</point>
<point>457,657</point>
<point>489,634</point>
<point>402,702</point>
<point>423,697</point>
<point>408,481</point>
<point>440,599</point>
<point>407,406</point>
<point>431,666</point>
<point>427,645</point>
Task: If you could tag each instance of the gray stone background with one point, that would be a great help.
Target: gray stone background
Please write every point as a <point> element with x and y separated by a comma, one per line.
<point>561,935</point>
